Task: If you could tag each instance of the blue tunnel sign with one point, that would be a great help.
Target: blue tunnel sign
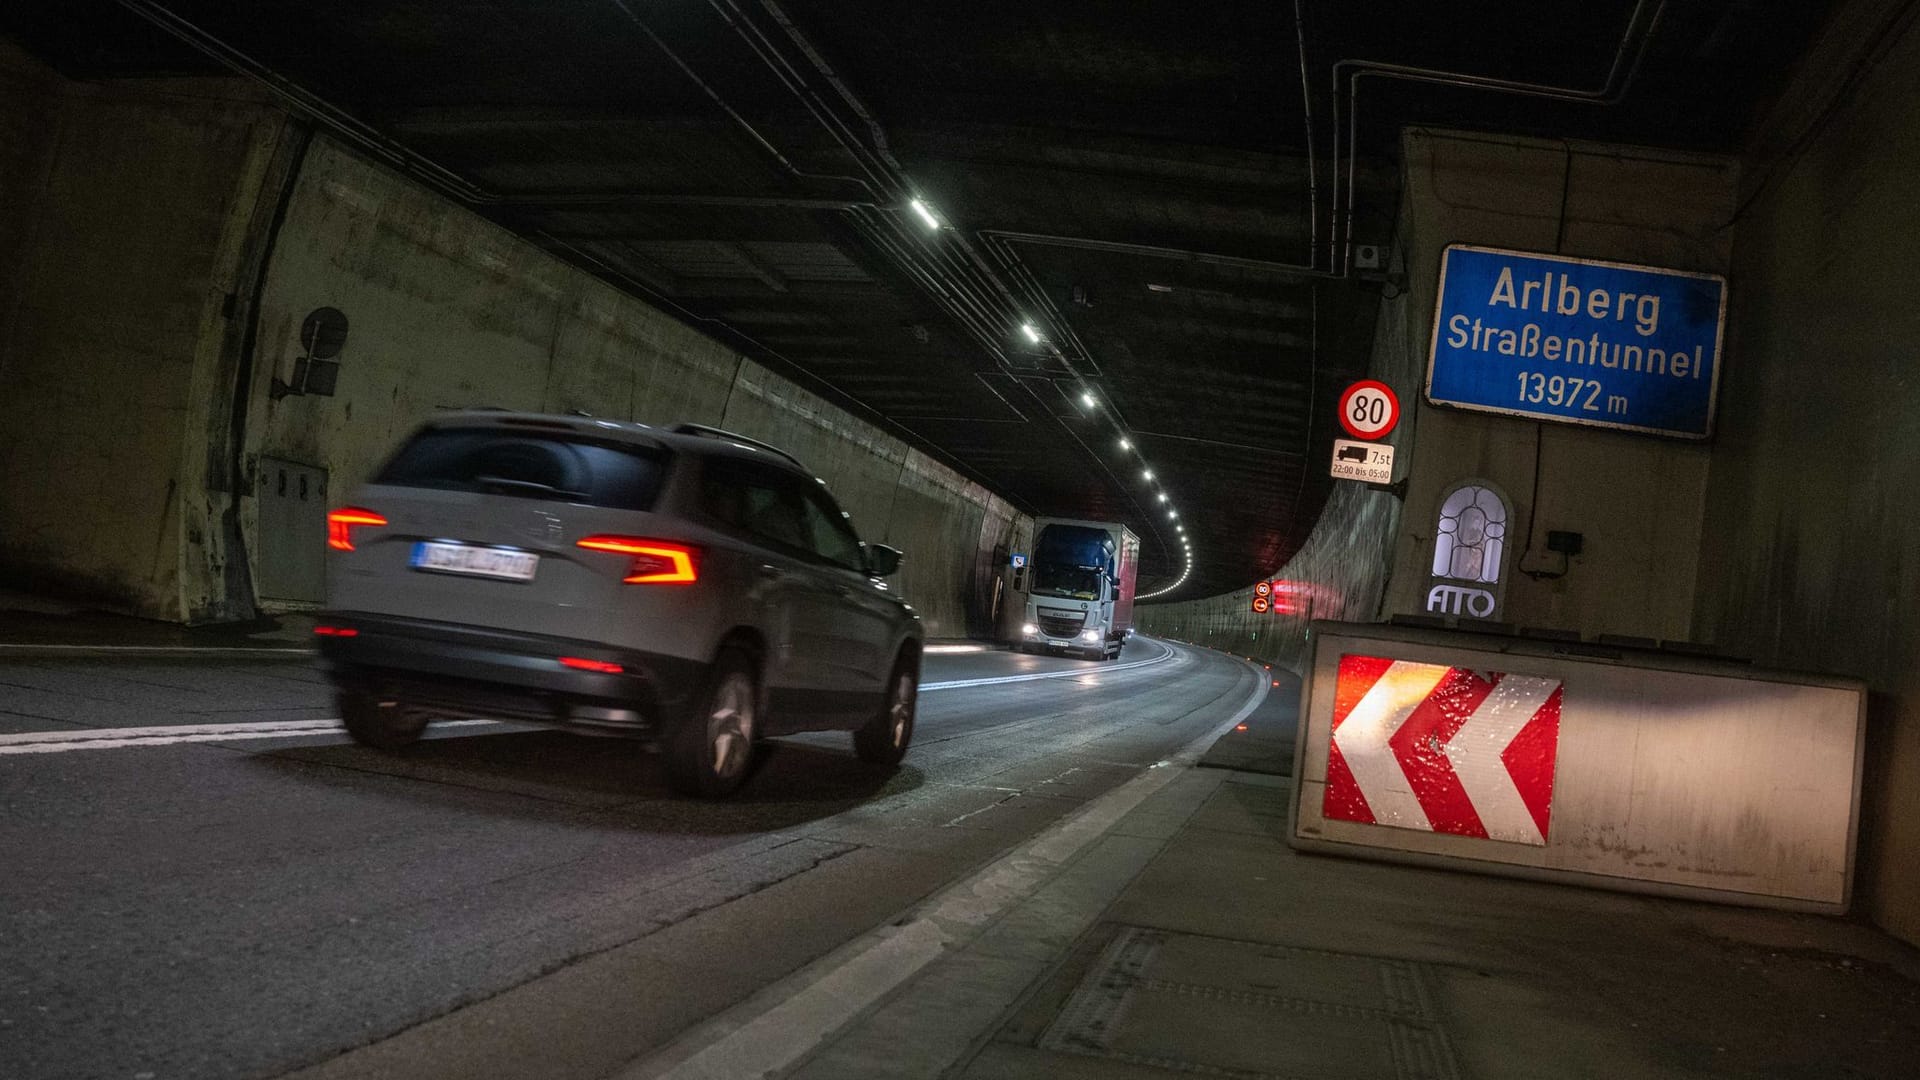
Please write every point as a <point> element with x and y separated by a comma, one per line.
<point>1577,341</point>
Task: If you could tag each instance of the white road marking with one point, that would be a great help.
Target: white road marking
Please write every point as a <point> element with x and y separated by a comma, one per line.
<point>1475,752</point>
<point>943,650</point>
<point>1362,739</point>
<point>996,680</point>
<point>793,1023</point>
<point>55,742</point>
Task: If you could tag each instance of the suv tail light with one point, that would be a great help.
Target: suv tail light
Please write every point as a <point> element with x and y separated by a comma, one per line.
<point>340,524</point>
<point>655,562</point>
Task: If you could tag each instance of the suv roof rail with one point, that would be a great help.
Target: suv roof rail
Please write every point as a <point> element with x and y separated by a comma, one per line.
<point>734,436</point>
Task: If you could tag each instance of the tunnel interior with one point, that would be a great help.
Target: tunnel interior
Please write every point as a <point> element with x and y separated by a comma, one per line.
<point>977,265</point>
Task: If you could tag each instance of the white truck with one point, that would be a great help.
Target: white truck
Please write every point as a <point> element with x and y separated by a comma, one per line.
<point>1075,593</point>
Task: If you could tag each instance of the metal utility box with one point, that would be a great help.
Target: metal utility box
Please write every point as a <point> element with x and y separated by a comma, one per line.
<point>1630,769</point>
<point>292,532</point>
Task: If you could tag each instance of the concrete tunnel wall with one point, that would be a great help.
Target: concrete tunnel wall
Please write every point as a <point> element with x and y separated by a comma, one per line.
<point>1637,500</point>
<point>156,232</point>
<point>447,310</point>
<point>1811,546</point>
<point>125,220</point>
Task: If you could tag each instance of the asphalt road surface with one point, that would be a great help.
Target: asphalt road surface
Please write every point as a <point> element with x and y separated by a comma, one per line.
<point>201,877</point>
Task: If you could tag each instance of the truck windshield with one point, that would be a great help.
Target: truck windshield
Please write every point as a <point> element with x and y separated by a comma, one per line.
<point>1070,560</point>
<point>1074,582</point>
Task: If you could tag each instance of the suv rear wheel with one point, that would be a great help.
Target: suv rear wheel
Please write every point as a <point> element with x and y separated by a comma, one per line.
<point>883,740</point>
<point>382,724</point>
<point>710,752</point>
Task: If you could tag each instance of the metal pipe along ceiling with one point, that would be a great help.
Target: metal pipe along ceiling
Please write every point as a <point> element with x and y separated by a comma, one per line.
<point>953,283</point>
<point>1620,76</point>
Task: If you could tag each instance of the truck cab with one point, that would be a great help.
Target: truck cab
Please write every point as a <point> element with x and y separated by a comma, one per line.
<point>1076,593</point>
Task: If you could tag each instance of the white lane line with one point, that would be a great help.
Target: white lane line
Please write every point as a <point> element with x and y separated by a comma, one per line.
<point>793,1022</point>
<point>943,650</point>
<point>996,680</point>
<point>55,742</point>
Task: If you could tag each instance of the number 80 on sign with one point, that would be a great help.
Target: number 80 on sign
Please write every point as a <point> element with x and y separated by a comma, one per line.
<point>1369,410</point>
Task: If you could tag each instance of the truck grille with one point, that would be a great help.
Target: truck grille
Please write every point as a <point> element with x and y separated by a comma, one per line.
<point>1056,623</point>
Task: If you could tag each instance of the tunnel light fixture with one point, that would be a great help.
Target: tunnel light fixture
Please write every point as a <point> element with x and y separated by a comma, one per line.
<point>925,214</point>
<point>1173,513</point>
<point>1146,474</point>
<point>1089,400</point>
<point>1163,496</point>
<point>1125,443</point>
<point>1032,334</point>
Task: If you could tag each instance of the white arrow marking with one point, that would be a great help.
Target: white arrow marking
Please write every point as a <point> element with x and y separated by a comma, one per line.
<point>1475,753</point>
<point>1362,739</point>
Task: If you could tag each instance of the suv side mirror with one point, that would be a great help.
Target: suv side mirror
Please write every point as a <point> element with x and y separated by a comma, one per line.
<point>881,560</point>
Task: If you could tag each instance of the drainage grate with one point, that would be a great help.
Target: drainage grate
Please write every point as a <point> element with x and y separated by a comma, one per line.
<point>1214,1007</point>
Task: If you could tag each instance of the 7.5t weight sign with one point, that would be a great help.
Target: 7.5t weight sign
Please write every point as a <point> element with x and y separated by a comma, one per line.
<point>1369,410</point>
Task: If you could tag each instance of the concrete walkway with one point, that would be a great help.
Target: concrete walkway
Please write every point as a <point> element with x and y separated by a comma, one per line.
<point>36,627</point>
<point>1190,940</point>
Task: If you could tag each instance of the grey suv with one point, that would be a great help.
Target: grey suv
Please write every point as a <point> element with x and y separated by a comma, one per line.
<point>689,587</point>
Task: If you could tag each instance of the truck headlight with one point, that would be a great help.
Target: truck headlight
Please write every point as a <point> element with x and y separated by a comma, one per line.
<point>1090,636</point>
<point>1030,630</point>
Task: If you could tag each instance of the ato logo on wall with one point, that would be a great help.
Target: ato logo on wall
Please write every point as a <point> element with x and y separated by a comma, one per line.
<point>1470,541</point>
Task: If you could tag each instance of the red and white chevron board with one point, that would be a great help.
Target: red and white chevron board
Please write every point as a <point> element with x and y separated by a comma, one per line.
<point>1443,749</point>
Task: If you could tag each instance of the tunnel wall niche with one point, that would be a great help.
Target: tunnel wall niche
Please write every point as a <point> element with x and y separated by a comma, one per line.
<point>450,311</point>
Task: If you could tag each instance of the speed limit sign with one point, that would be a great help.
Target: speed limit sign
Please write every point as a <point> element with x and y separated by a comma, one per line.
<point>1262,588</point>
<point>1369,410</point>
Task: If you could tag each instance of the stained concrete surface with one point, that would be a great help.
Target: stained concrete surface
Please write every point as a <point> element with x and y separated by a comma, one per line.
<point>1264,741</point>
<point>1810,532</point>
<point>510,904</point>
<point>1270,963</point>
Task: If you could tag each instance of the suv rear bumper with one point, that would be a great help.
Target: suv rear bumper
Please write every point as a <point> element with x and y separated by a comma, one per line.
<point>507,675</point>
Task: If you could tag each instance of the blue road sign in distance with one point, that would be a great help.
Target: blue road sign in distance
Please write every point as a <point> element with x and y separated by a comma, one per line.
<point>1577,341</point>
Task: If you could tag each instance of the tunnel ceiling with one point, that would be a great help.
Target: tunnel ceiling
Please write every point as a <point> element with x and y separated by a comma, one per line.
<point>1154,187</point>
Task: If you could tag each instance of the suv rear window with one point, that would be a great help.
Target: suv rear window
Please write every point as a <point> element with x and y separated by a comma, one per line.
<point>534,465</point>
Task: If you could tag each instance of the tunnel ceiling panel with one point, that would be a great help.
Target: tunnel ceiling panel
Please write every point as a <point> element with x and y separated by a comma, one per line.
<point>1165,191</point>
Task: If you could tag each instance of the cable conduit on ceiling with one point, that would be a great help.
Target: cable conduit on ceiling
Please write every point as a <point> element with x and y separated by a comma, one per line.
<point>1620,78</point>
<point>973,273</point>
<point>304,102</point>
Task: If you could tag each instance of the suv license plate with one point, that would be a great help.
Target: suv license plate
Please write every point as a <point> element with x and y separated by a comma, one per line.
<point>1058,644</point>
<point>503,563</point>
